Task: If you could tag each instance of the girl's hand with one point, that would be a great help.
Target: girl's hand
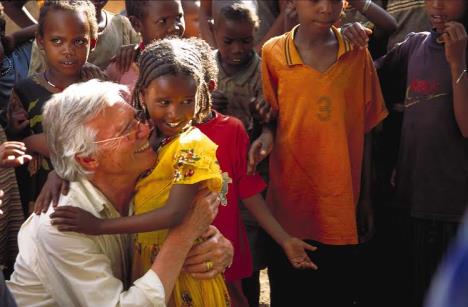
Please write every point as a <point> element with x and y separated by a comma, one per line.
<point>125,57</point>
<point>90,71</point>
<point>356,34</point>
<point>13,154</point>
<point>53,187</point>
<point>68,218</point>
<point>295,250</point>
<point>259,149</point>
<point>454,38</point>
<point>216,249</point>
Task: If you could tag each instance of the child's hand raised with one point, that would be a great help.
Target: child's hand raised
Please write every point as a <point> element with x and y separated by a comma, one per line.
<point>454,38</point>
<point>51,191</point>
<point>125,57</point>
<point>13,154</point>
<point>68,218</point>
<point>356,34</point>
<point>90,71</point>
<point>295,250</point>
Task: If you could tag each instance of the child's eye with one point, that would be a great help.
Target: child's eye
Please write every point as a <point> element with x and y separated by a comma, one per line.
<point>187,101</point>
<point>247,40</point>
<point>56,41</point>
<point>227,41</point>
<point>179,18</point>
<point>163,102</point>
<point>162,21</point>
<point>80,42</point>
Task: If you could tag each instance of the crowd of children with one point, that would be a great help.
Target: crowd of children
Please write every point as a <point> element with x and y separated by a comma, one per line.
<point>335,132</point>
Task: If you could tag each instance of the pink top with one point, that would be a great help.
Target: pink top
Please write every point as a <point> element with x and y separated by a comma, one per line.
<point>128,78</point>
<point>233,142</point>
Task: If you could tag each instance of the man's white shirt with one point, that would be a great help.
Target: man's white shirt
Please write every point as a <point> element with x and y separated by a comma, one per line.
<point>55,268</point>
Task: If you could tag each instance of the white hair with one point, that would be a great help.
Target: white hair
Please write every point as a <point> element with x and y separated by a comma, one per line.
<point>65,117</point>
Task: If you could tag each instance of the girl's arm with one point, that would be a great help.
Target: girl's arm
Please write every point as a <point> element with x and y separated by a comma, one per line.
<point>455,39</point>
<point>376,15</point>
<point>294,248</point>
<point>15,10</point>
<point>180,201</point>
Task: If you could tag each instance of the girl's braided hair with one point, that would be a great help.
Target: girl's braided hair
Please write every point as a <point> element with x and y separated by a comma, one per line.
<point>173,56</point>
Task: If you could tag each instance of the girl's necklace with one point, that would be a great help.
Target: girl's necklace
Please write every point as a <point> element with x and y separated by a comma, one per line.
<point>51,84</point>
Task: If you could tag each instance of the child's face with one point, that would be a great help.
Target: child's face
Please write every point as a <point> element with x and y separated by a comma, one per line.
<point>170,101</point>
<point>191,9</point>
<point>441,11</point>
<point>318,14</point>
<point>162,19</point>
<point>66,41</point>
<point>235,41</point>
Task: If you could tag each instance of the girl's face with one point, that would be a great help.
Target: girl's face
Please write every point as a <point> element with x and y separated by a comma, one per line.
<point>170,101</point>
<point>441,11</point>
<point>161,19</point>
<point>66,41</point>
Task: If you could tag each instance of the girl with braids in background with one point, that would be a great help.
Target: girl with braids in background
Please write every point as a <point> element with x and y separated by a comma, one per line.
<point>171,90</point>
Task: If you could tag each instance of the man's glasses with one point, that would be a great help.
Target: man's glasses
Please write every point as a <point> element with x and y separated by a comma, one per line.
<point>130,131</point>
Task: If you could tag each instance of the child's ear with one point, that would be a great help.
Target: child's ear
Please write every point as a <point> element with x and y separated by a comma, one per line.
<point>93,43</point>
<point>40,41</point>
<point>212,85</point>
<point>89,163</point>
<point>136,23</point>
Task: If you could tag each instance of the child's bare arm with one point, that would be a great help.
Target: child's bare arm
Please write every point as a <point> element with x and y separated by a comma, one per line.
<point>50,192</point>
<point>37,143</point>
<point>294,248</point>
<point>376,15</point>
<point>178,204</point>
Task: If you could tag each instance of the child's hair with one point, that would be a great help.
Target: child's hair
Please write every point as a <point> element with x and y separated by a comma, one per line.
<point>173,56</point>
<point>210,67</point>
<point>239,11</point>
<point>136,8</point>
<point>84,6</point>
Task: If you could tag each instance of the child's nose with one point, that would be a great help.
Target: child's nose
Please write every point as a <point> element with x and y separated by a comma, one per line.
<point>68,49</point>
<point>175,28</point>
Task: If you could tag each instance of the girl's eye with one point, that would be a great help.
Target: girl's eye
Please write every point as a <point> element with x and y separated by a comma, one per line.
<point>227,41</point>
<point>80,42</point>
<point>56,41</point>
<point>164,102</point>
<point>187,101</point>
<point>179,18</point>
<point>162,21</point>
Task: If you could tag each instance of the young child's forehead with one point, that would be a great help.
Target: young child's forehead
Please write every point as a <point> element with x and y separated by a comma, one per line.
<point>162,7</point>
<point>57,20</point>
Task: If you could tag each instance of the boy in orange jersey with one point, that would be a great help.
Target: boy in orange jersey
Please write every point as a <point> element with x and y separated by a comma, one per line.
<point>327,97</point>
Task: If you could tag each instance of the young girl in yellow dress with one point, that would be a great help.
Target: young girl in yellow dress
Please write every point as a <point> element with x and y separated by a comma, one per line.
<point>172,92</point>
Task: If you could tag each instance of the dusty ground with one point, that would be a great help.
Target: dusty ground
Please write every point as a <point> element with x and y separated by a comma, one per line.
<point>264,289</point>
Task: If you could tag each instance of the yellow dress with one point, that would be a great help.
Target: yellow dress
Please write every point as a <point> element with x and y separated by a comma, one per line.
<point>187,159</point>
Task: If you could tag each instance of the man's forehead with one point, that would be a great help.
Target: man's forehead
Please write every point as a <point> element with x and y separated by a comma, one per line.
<point>111,118</point>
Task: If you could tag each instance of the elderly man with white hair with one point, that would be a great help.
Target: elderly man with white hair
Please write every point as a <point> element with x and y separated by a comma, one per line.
<point>56,268</point>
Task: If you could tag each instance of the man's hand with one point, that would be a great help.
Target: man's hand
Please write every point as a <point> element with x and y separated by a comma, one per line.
<point>13,154</point>
<point>216,250</point>
<point>51,191</point>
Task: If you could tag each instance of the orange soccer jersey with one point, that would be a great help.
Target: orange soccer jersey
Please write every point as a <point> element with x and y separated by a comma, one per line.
<point>315,166</point>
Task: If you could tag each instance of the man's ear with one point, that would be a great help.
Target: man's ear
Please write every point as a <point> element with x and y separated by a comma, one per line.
<point>136,23</point>
<point>89,163</point>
